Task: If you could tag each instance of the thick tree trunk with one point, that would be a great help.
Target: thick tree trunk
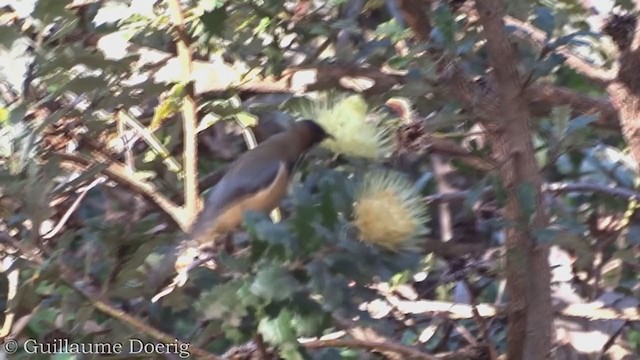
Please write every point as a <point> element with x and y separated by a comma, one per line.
<point>528,273</point>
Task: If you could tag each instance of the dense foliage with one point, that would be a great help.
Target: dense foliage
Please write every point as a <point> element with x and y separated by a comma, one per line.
<point>95,147</point>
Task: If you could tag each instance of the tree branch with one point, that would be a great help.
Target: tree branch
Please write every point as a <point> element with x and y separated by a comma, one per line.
<point>591,311</point>
<point>189,117</point>
<point>415,13</point>
<point>538,38</point>
<point>554,188</point>
<point>118,173</point>
<point>543,98</point>
<point>527,264</point>
<point>406,351</point>
<point>69,279</point>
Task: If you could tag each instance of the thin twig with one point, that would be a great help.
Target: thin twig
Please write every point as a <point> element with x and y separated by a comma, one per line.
<point>12,289</point>
<point>539,39</point>
<point>68,278</point>
<point>553,188</point>
<point>72,209</point>
<point>118,173</point>
<point>482,325</point>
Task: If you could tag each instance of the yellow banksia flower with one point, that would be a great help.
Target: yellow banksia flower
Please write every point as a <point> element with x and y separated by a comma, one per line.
<point>389,211</point>
<point>356,131</point>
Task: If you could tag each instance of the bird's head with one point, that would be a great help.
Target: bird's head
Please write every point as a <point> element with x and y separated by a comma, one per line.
<point>310,132</point>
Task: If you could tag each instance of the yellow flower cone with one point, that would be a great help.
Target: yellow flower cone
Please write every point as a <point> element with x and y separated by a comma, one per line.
<point>389,211</point>
<point>356,131</point>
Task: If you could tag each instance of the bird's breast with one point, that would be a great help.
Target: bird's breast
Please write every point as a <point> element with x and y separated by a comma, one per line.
<point>264,200</point>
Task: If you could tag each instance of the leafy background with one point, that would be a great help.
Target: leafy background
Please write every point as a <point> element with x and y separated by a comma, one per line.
<point>92,133</point>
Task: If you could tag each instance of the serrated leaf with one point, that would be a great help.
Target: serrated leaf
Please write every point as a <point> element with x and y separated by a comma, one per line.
<point>278,330</point>
<point>222,301</point>
<point>273,283</point>
<point>214,21</point>
<point>308,324</point>
<point>544,20</point>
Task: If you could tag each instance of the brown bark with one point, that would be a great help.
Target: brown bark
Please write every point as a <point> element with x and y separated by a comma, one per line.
<point>500,104</point>
<point>415,14</point>
<point>625,90</point>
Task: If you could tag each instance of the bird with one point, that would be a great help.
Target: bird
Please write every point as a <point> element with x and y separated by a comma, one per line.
<point>257,181</point>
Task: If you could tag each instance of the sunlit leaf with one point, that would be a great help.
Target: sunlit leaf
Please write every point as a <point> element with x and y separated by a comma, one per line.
<point>277,330</point>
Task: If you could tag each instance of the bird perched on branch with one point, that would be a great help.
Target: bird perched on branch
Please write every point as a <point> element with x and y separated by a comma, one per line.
<point>257,180</point>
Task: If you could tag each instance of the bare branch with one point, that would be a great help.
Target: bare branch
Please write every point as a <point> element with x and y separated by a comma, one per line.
<point>542,98</point>
<point>554,188</point>
<point>118,173</point>
<point>67,275</point>
<point>591,311</point>
<point>189,117</point>
<point>406,351</point>
<point>538,38</point>
<point>415,14</point>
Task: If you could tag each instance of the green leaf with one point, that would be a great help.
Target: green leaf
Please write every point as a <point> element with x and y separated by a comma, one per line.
<point>278,330</point>
<point>4,115</point>
<point>273,283</point>
<point>246,119</point>
<point>475,193</point>
<point>327,205</point>
<point>214,21</point>
<point>579,123</point>
<point>327,285</point>
<point>445,27</point>
<point>48,10</point>
<point>544,20</point>
<point>209,5</point>
<point>291,351</point>
<point>309,324</point>
<point>222,302</point>
<point>8,34</point>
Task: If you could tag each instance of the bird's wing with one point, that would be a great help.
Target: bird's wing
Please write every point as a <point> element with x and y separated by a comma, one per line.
<point>242,180</point>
